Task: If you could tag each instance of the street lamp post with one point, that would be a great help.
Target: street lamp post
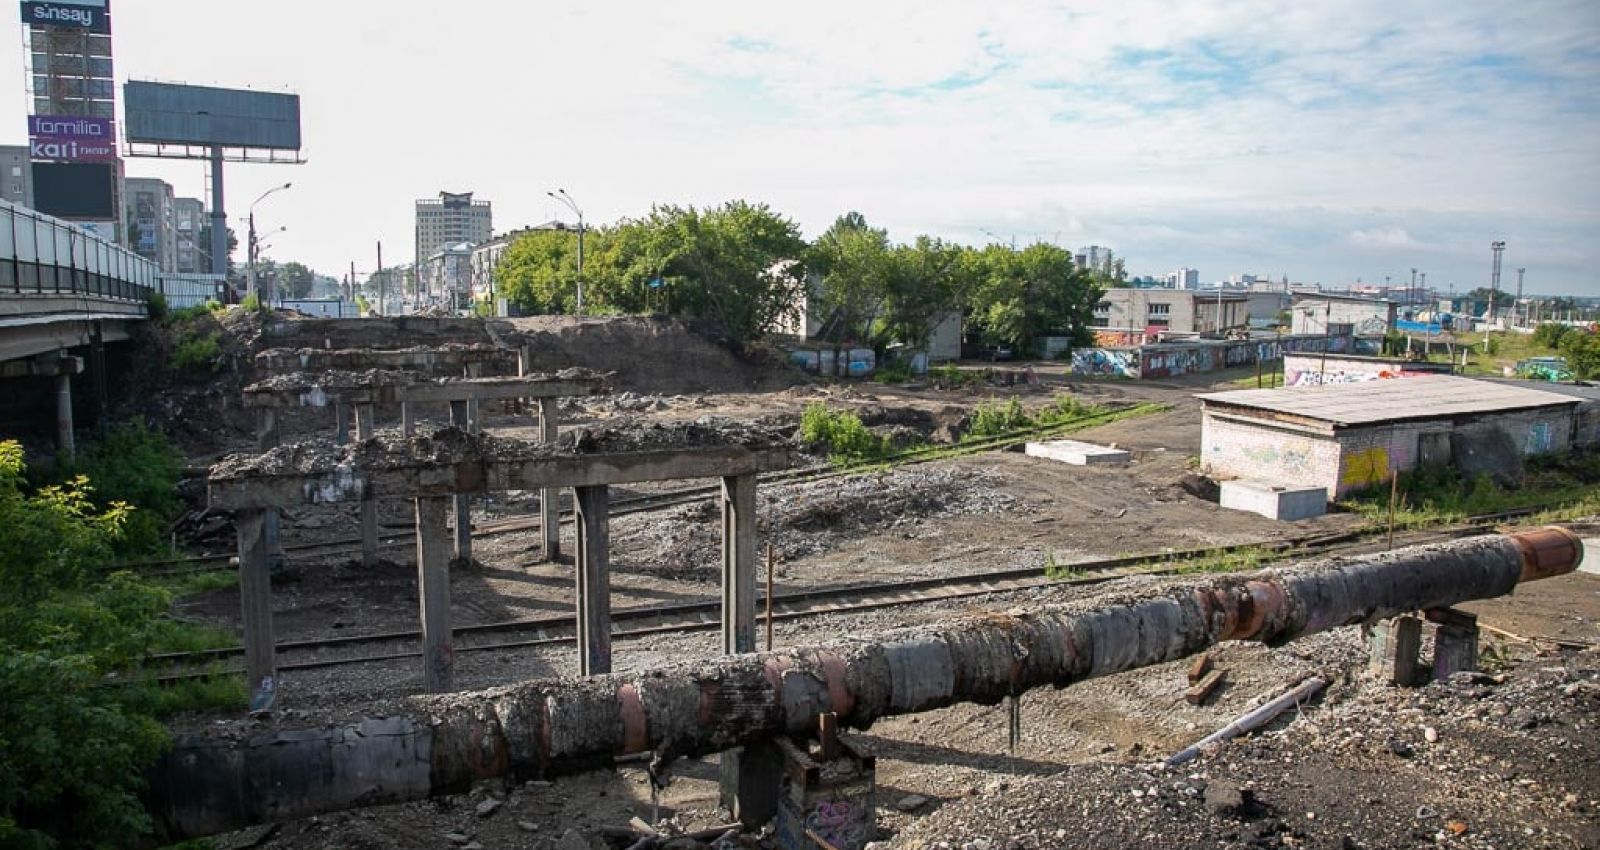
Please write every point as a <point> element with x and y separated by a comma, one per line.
<point>251,247</point>
<point>562,196</point>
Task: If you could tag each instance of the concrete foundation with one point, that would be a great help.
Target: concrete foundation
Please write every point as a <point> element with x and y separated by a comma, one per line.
<point>1077,453</point>
<point>826,802</point>
<point>1274,501</point>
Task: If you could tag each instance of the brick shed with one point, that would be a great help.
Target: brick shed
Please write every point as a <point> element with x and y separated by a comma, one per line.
<point>1347,437</point>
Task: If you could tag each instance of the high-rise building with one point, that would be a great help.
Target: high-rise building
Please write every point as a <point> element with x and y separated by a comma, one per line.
<point>152,221</point>
<point>189,216</point>
<point>16,175</point>
<point>1186,278</point>
<point>451,219</point>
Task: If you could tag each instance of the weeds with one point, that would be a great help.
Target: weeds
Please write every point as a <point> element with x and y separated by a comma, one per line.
<point>197,352</point>
<point>1569,483</point>
<point>952,377</point>
<point>847,440</point>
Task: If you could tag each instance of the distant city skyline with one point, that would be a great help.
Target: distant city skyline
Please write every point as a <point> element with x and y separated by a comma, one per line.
<point>1325,143</point>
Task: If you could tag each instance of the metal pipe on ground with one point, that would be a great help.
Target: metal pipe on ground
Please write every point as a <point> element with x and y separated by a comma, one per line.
<point>205,786</point>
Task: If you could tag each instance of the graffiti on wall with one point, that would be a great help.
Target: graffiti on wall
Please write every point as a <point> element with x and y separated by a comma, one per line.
<point>1107,362</point>
<point>1317,377</point>
<point>839,823</point>
<point>1113,339</point>
<point>1539,439</point>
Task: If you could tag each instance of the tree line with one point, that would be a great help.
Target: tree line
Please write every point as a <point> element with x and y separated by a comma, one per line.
<point>749,269</point>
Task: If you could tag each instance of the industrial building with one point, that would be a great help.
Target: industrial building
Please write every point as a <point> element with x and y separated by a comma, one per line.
<point>1348,437</point>
<point>1126,316</point>
<point>1328,313</point>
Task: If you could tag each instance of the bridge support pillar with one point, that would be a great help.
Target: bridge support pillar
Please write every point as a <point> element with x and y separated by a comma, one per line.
<point>64,443</point>
<point>433,592</point>
<point>594,579</point>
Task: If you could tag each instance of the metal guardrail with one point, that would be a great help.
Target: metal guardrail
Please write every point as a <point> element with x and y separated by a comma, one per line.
<point>44,255</point>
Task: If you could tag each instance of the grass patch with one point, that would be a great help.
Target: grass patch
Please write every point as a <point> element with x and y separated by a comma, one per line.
<point>1569,484</point>
<point>842,434</point>
<point>952,377</point>
<point>1238,561</point>
<point>196,583</point>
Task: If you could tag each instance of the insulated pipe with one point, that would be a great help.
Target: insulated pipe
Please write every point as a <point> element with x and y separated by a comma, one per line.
<point>205,786</point>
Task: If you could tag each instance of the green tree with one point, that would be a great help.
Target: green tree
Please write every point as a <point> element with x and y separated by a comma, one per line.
<point>1018,296</point>
<point>855,265</point>
<point>539,270</point>
<point>295,280</point>
<point>1582,350</point>
<point>927,278</point>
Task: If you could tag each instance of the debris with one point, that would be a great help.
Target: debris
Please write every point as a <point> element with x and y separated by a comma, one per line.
<point>1201,666</point>
<point>1202,690</point>
<point>911,802</point>
<point>489,807</point>
<point>1252,719</point>
<point>457,838</point>
<point>1223,798</point>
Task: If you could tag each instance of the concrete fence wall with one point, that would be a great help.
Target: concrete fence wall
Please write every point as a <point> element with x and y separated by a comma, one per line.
<point>1166,361</point>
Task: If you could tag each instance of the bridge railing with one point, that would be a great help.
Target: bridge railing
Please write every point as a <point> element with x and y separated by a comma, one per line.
<point>44,255</point>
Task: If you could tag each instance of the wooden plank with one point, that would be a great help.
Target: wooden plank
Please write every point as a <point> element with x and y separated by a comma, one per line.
<point>1198,669</point>
<point>1202,690</point>
<point>433,594</point>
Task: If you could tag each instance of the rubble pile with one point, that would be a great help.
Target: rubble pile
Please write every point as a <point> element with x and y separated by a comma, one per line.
<point>1475,761</point>
<point>809,518</point>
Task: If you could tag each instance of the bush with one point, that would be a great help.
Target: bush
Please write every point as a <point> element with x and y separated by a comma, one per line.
<point>1582,350</point>
<point>251,303</point>
<point>949,377</point>
<point>992,420</point>
<point>896,371</point>
<point>189,314</point>
<point>1550,335</point>
<point>72,750</point>
<point>133,465</point>
<point>197,352</point>
<point>156,304</point>
<point>841,432</point>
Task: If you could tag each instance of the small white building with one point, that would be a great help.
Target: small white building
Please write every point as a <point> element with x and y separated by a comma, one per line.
<point>1341,315</point>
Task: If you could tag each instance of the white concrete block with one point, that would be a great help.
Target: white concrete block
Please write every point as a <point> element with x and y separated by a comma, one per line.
<point>1074,452</point>
<point>1275,501</point>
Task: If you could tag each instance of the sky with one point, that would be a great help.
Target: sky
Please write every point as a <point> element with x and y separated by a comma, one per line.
<point>1327,142</point>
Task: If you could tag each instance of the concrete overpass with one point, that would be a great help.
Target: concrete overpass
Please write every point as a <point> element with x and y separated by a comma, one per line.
<point>64,293</point>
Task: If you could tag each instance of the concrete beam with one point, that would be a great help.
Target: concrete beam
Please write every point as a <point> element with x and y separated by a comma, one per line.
<point>433,594</point>
<point>445,358</point>
<point>549,497</point>
<point>442,745</point>
<point>366,421</point>
<point>463,501</point>
<point>255,602</point>
<point>436,391</point>
<point>42,367</point>
<point>347,477</point>
<point>32,336</point>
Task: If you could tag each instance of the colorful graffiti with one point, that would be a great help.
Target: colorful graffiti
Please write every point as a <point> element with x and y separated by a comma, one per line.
<point>1364,468</point>
<point>839,823</point>
<point>1117,339</point>
<point>1539,439</point>
<point>1105,362</point>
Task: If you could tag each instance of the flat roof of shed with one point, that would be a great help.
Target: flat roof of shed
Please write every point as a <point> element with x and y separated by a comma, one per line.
<point>1394,399</point>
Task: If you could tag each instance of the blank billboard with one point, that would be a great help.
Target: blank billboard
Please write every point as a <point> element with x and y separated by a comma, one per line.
<point>167,113</point>
<point>75,190</point>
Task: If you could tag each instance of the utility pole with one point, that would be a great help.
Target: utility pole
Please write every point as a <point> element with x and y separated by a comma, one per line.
<point>1517,316</point>
<point>1498,247</point>
<point>382,289</point>
<point>1412,289</point>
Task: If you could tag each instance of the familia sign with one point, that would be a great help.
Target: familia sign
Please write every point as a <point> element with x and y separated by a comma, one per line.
<point>91,15</point>
<point>72,138</point>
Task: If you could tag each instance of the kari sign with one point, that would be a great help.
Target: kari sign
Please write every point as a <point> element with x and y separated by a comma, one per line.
<point>89,16</point>
<point>72,138</point>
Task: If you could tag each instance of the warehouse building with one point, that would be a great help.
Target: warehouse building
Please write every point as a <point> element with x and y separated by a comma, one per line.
<point>1347,437</point>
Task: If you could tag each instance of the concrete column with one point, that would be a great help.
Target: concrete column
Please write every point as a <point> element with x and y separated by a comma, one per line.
<point>255,600</point>
<point>473,370</point>
<point>433,593</point>
<point>739,564</point>
<point>549,497</point>
<point>65,447</point>
<point>267,439</point>
<point>594,579</point>
<point>408,419</point>
<point>1455,642</point>
<point>341,427</point>
<point>458,418</point>
<point>1394,650</point>
<point>366,419</point>
<point>97,369</point>
<point>524,368</point>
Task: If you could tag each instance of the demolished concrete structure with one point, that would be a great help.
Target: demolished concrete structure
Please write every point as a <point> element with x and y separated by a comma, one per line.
<point>451,463</point>
<point>539,729</point>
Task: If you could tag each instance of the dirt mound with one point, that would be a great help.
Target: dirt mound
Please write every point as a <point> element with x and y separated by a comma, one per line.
<point>650,355</point>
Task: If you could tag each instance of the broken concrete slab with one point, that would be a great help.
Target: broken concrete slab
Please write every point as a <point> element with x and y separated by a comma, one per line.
<point>1275,501</point>
<point>381,386</point>
<point>450,461</point>
<point>1077,453</point>
<point>452,356</point>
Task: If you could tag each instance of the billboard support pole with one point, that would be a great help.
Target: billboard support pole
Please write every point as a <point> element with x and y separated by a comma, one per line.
<point>219,217</point>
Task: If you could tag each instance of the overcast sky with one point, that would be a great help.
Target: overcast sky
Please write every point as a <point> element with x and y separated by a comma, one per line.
<point>1323,141</point>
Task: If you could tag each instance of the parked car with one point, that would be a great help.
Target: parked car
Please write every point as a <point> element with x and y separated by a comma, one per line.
<point>996,353</point>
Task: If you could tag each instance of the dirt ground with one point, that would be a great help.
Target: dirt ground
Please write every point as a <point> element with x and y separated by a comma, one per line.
<point>1083,774</point>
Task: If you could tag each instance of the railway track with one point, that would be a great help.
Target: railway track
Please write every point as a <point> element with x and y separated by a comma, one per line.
<point>646,502</point>
<point>702,615</point>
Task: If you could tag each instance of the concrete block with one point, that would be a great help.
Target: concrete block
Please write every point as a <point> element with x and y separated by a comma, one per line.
<point>1394,650</point>
<point>1275,501</point>
<point>1077,453</point>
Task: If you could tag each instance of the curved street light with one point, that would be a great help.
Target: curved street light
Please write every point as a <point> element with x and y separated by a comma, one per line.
<point>252,248</point>
<point>562,196</point>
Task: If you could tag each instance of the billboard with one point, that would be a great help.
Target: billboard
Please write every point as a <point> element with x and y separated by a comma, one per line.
<point>85,15</point>
<point>72,138</point>
<point>75,190</point>
<point>166,113</point>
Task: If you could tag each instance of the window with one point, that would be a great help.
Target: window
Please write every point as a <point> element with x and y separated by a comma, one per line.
<point>1099,322</point>
<point>1159,323</point>
<point>1103,307</point>
<point>1160,309</point>
<point>16,171</point>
